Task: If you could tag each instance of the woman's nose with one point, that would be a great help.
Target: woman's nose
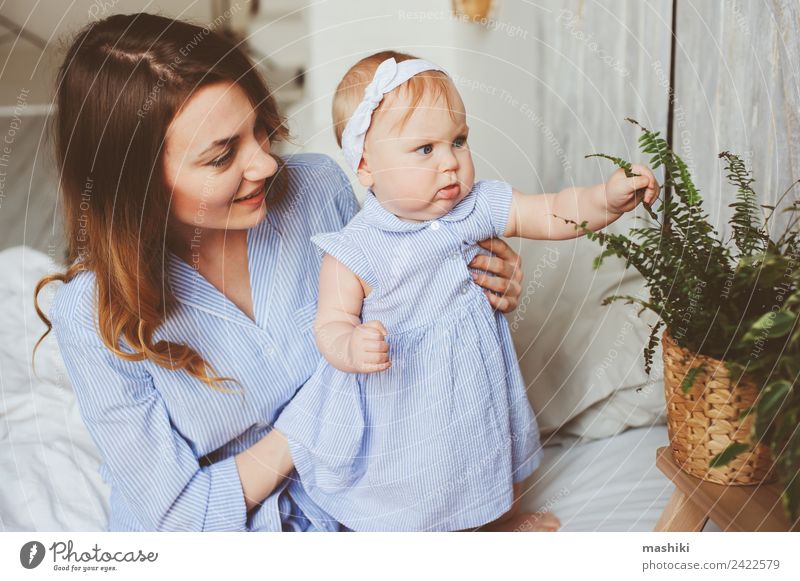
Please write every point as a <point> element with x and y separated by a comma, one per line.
<point>261,165</point>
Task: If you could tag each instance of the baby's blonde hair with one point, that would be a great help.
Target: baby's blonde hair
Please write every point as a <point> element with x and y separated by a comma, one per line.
<point>350,91</point>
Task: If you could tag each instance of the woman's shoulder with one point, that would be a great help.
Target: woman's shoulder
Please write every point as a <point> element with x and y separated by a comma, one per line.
<point>72,308</point>
<point>313,160</point>
<point>319,187</point>
<point>317,168</point>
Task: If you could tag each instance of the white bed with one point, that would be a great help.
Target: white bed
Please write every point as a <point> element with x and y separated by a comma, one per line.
<point>611,484</point>
<point>49,464</point>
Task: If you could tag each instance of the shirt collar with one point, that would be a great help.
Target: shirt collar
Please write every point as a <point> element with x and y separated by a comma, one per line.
<point>191,288</point>
<point>376,215</point>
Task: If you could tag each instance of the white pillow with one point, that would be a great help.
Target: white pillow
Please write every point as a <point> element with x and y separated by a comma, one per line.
<point>583,362</point>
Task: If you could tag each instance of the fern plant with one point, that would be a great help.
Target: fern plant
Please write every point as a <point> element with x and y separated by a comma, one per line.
<point>737,300</point>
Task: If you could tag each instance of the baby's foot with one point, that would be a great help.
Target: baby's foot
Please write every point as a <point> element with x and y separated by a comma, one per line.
<point>527,522</point>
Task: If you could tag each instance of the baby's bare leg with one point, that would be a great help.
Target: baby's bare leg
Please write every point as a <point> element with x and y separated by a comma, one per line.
<point>515,521</point>
<point>529,522</point>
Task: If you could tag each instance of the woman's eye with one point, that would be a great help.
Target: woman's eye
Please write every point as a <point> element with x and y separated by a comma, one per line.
<point>220,161</point>
<point>425,149</point>
<point>460,141</point>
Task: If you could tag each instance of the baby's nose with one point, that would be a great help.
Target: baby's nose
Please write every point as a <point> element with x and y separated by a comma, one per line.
<point>449,162</point>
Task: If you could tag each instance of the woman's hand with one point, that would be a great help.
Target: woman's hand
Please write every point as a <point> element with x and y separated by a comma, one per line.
<point>506,265</point>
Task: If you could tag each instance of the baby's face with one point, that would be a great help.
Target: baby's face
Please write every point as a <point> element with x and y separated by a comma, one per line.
<point>421,169</point>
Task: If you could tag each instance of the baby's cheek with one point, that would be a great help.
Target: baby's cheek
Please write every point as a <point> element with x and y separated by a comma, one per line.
<point>405,204</point>
<point>467,173</point>
<point>417,206</point>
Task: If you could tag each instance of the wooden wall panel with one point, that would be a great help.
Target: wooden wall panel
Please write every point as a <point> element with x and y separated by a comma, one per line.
<point>737,88</point>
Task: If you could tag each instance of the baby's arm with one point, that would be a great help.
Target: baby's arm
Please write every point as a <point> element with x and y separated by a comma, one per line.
<point>541,217</point>
<point>343,340</point>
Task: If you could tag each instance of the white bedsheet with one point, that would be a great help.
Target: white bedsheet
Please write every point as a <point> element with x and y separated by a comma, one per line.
<point>49,465</point>
<point>48,462</point>
<point>603,485</point>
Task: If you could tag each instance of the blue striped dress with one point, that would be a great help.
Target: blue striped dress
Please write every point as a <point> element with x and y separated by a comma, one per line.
<point>168,441</point>
<point>436,441</point>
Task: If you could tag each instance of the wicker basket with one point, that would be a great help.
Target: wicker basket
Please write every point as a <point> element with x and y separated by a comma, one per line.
<point>702,422</point>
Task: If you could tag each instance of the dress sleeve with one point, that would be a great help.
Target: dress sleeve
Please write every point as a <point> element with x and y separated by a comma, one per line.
<point>153,467</point>
<point>494,202</point>
<point>338,245</point>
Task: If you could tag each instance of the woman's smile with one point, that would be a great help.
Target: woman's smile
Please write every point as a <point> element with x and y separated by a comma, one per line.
<point>252,199</point>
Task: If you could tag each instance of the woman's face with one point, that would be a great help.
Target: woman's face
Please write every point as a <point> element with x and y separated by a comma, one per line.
<point>216,162</point>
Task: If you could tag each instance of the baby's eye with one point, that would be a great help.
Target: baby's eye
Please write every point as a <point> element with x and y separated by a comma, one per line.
<point>426,149</point>
<point>222,160</point>
<point>460,141</point>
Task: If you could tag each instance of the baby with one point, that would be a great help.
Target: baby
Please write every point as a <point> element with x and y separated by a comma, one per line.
<point>417,418</point>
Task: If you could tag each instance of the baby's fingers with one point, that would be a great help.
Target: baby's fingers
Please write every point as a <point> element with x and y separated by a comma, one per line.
<point>374,367</point>
<point>376,346</point>
<point>375,358</point>
<point>639,183</point>
<point>645,173</point>
<point>376,325</point>
<point>653,192</point>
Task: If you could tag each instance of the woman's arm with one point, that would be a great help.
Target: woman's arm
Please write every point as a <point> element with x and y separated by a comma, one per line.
<point>263,466</point>
<point>153,467</point>
<point>347,343</point>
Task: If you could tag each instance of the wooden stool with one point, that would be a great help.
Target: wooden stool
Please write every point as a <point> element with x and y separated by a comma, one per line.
<point>732,508</point>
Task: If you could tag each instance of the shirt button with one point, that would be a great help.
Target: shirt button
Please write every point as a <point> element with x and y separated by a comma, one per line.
<point>269,350</point>
<point>435,225</point>
<point>454,256</point>
<point>465,289</point>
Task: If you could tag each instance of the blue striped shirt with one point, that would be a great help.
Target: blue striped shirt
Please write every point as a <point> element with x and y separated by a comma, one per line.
<point>167,440</point>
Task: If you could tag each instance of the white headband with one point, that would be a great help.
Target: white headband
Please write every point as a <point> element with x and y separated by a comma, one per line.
<point>389,75</point>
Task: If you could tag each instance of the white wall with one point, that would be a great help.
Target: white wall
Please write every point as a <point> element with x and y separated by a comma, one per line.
<point>54,20</point>
<point>340,33</point>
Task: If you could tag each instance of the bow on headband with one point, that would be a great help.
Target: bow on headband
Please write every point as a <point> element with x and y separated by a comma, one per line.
<point>388,76</point>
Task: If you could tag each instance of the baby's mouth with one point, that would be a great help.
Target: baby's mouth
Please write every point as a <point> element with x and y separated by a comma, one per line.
<point>449,192</point>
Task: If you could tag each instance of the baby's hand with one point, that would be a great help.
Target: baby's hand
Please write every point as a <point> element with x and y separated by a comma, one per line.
<point>623,194</point>
<point>367,349</point>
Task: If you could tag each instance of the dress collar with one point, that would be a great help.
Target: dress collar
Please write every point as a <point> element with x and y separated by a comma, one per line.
<point>378,216</point>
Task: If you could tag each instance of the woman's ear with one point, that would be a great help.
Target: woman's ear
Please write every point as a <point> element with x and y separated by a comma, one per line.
<point>364,175</point>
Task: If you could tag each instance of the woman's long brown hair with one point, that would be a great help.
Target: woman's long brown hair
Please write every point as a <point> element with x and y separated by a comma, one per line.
<point>122,82</point>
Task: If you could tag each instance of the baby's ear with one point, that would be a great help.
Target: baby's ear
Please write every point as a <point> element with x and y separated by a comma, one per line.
<point>364,175</point>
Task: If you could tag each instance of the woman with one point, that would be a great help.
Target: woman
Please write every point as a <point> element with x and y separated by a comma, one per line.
<point>185,320</point>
